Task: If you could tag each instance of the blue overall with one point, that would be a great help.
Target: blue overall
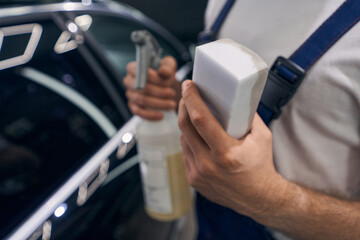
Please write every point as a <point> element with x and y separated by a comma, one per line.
<point>220,223</point>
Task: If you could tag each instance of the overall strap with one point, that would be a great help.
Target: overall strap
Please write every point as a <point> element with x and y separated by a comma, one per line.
<point>285,75</point>
<point>210,35</point>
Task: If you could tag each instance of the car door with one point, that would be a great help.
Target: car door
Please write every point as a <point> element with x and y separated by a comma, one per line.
<point>63,175</point>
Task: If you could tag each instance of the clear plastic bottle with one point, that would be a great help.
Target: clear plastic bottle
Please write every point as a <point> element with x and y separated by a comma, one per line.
<point>166,191</point>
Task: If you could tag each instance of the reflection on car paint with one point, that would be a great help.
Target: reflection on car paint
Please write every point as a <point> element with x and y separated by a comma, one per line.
<point>71,95</point>
<point>78,179</point>
<point>89,186</point>
<point>127,142</point>
<point>60,210</point>
<point>44,231</point>
<point>65,43</point>
<point>34,29</point>
<point>84,22</point>
<point>58,144</point>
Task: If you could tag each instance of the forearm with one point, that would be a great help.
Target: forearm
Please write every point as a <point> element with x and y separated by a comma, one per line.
<point>240,174</point>
<point>305,214</point>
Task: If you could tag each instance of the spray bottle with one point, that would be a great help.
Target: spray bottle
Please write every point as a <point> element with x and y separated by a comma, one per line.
<point>166,191</point>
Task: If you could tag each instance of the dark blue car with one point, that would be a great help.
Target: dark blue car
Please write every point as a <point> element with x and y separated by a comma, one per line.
<point>68,169</point>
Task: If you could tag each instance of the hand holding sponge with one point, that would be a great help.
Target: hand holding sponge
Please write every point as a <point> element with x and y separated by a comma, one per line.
<point>231,79</point>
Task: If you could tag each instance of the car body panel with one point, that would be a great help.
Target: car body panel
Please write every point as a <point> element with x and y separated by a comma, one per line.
<point>64,117</point>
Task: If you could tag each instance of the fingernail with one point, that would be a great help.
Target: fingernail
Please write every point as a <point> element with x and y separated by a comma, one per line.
<point>185,85</point>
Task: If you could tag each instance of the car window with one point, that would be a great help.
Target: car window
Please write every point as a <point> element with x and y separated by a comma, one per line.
<point>113,35</point>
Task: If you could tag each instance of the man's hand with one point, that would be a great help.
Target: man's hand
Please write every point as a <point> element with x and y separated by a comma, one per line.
<point>236,173</point>
<point>160,92</point>
<point>240,174</point>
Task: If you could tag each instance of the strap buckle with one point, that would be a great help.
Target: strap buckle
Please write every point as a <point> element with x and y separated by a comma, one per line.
<point>205,37</point>
<point>283,80</point>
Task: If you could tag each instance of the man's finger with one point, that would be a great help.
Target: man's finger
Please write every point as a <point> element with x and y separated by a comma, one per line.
<point>146,101</point>
<point>168,67</point>
<point>154,78</point>
<point>145,113</point>
<point>159,92</point>
<point>150,89</point>
<point>204,122</point>
<point>129,81</point>
<point>131,69</point>
<point>196,143</point>
<point>188,158</point>
<point>165,76</point>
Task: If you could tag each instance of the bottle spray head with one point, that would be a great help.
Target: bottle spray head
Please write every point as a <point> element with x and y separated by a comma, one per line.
<point>148,54</point>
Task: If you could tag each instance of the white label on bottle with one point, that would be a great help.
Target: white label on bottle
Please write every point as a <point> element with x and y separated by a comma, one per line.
<point>155,179</point>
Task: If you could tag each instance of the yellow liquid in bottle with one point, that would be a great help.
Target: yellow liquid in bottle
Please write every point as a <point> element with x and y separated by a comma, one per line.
<point>179,190</point>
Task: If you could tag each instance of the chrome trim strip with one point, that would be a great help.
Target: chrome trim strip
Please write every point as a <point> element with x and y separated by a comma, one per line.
<point>64,192</point>
<point>107,7</point>
<point>121,169</point>
<point>34,29</point>
<point>70,6</point>
<point>45,210</point>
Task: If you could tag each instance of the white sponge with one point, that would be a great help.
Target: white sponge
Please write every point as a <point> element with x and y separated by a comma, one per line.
<point>230,79</point>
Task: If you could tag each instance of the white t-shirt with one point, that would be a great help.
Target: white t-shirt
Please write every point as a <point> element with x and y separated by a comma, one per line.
<point>317,137</point>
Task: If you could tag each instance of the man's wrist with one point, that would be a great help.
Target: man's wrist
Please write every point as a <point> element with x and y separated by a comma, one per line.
<point>278,196</point>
